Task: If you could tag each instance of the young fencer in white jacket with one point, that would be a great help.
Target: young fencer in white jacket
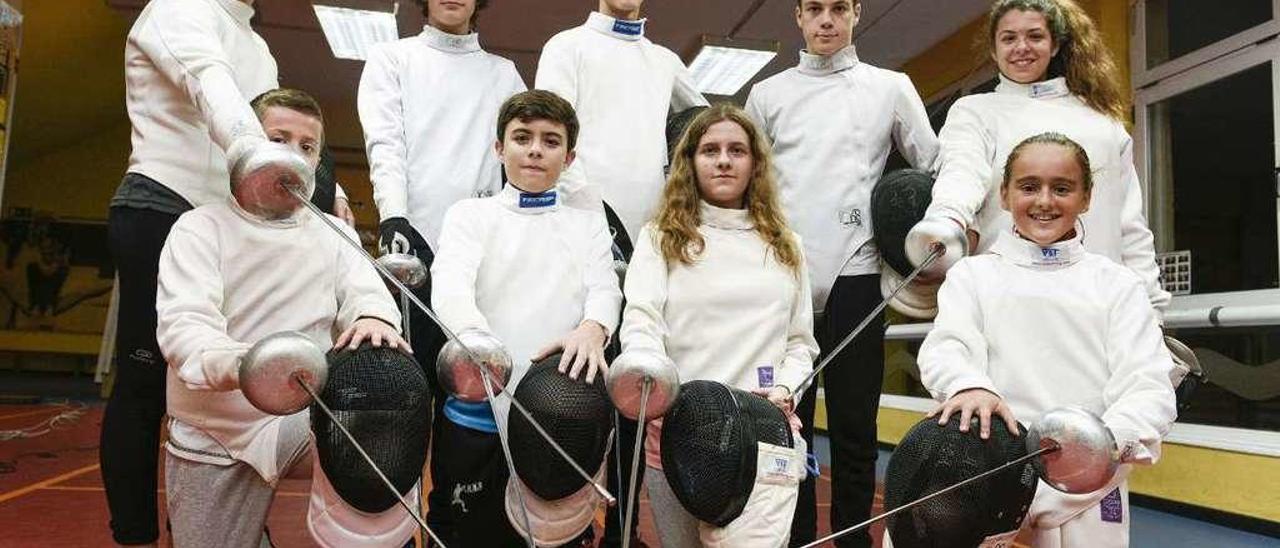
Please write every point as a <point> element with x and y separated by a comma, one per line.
<point>1040,322</point>
<point>719,284</point>
<point>1055,75</point>
<point>221,289</point>
<point>533,273</point>
<point>622,87</point>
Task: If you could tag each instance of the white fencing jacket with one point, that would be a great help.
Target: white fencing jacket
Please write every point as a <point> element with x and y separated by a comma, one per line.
<point>982,130</point>
<point>526,270</point>
<point>833,121</point>
<point>191,68</point>
<point>1054,326</point>
<point>429,108</point>
<point>736,315</point>
<point>227,279</point>
<point>622,86</point>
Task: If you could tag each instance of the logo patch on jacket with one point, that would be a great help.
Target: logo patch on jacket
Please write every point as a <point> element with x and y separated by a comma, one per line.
<point>534,201</point>
<point>765,376</point>
<point>629,28</point>
<point>1112,507</point>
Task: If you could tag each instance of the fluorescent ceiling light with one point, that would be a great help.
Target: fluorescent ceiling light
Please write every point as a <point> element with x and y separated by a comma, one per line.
<point>723,66</point>
<point>351,32</point>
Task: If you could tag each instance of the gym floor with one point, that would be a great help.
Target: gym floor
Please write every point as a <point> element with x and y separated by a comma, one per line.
<point>51,491</point>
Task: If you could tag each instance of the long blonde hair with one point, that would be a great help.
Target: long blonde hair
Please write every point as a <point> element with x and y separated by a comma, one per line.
<point>679,214</point>
<point>1082,57</point>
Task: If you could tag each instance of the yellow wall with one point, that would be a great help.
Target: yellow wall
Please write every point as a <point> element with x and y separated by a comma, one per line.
<point>1243,484</point>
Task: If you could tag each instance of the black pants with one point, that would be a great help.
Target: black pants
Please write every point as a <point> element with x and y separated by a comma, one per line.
<point>852,383</point>
<point>130,439</point>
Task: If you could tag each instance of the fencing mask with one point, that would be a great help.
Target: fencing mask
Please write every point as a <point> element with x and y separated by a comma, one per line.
<point>898,202</point>
<point>676,124</point>
<point>711,444</point>
<point>560,503</point>
<point>931,458</point>
<point>381,396</point>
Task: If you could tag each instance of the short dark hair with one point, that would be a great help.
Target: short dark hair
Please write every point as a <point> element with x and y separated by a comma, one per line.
<point>480,4</point>
<point>539,104</point>
<point>292,99</point>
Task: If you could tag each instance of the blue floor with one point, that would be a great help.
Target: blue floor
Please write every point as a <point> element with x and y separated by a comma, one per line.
<point>1148,528</point>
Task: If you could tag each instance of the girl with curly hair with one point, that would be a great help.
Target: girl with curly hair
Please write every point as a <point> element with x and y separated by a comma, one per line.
<point>718,283</point>
<point>1056,75</point>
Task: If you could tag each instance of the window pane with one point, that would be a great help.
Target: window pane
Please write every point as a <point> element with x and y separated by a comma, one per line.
<point>1178,27</point>
<point>1212,177</point>
<point>1243,370</point>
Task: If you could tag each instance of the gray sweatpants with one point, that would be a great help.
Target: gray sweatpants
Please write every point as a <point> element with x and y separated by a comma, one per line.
<point>226,506</point>
<point>676,527</point>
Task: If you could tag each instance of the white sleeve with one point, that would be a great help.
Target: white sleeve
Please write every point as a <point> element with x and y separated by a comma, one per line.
<point>191,329</point>
<point>361,291</point>
<point>684,93</point>
<point>456,268</point>
<point>604,297</point>
<point>558,69</point>
<point>1138,252</point>
<point>644,326</point>
<point>338,192</point>
<point>378,102</point>
<point>967,155</point>
<point>953,357</point>
<point>755,111</point>
<point>801,348</point>
<point>1139,400</point>
<point>181,38</point>
<point>912,131</point>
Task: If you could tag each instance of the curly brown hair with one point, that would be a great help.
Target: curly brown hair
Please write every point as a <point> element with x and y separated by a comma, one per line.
<point>676,222</point>
<point>1082,58</point>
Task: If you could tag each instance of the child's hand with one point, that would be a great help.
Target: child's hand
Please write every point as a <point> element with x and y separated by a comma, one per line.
<point>780,397</point>
<point>377,331</point>
<point>582,346</point>
<point>982,402</point>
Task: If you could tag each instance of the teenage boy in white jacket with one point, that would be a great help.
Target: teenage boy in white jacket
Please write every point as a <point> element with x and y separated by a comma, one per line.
<point>427,105</point>
<point>191,67</point>
<point>833,121</point>
<point>623,87</point>
<point>222,288</point>
<point>1039,323</point>
<point>536,275</point>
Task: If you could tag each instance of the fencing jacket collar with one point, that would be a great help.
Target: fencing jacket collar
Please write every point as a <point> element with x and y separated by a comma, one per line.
<point>529,203</point>
<point>617,28</point>
<point>726,219</point>
<point>1027,253</point>
<point>822,65</point>
<point>1048,89</point>
<point>450,43</point>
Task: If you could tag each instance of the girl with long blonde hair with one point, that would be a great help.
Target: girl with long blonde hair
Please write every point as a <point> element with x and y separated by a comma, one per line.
<point>1056,75</point>
<point>719,284</point>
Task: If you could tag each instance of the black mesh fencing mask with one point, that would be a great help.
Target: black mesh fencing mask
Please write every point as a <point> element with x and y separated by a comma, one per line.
<point>709,447</point>
<point>380,395</point>
<point>898,202</point>
<point>931,458</point>
<point>576,414</point>
<point>677,122</point>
